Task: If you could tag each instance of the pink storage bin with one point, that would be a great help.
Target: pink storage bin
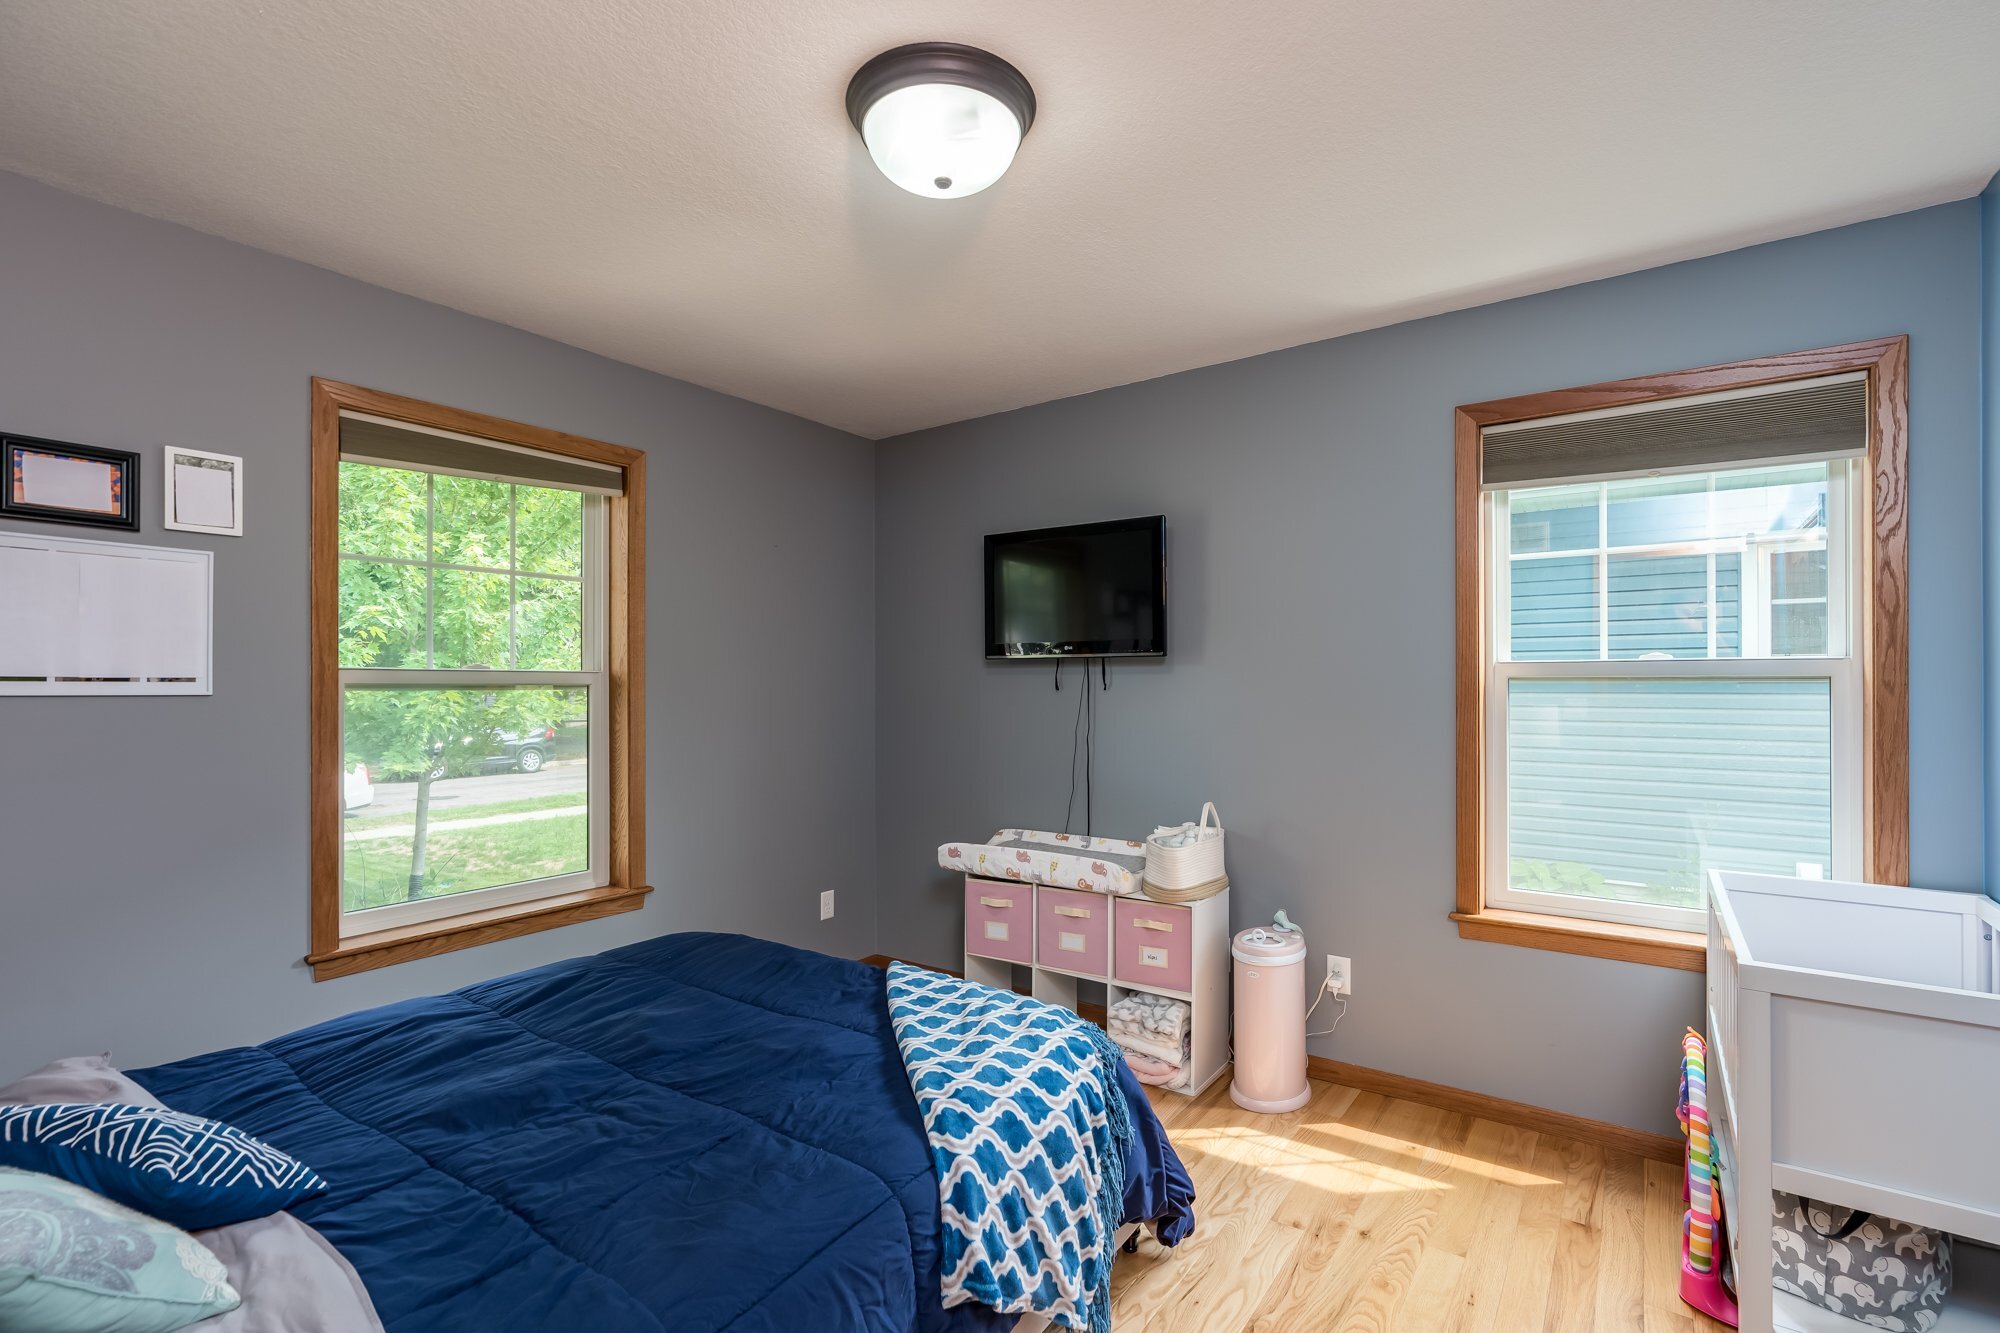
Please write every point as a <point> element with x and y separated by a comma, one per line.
<point>1073,931</point>
<point>1153,945</point>
<point>1000,920</point>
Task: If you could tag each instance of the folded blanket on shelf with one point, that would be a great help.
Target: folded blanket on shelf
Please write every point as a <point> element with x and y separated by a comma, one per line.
<point>1148,1069</point>
<point>1156,1050</point>
<point>1153,1019</point>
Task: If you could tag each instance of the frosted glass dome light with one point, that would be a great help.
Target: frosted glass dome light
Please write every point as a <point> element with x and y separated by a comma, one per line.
<point>941,120</point>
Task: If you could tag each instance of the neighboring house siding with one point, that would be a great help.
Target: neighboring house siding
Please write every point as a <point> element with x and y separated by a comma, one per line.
<point>1656,606</point>
<point>1640,782</point>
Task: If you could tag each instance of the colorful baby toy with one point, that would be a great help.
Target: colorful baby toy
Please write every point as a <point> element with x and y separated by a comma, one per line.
<point>1701,1280</point>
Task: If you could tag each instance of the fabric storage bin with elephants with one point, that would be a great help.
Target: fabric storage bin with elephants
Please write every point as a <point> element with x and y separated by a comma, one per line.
<point>1875,1270</point>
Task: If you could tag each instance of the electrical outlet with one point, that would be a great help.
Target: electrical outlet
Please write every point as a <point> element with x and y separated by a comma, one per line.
<point>1339,974</point>
<point>826,906</point>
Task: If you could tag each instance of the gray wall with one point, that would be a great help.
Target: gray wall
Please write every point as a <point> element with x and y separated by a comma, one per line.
<point>1309,689</point>
<point>153,851</point>
<point>1989,370</point>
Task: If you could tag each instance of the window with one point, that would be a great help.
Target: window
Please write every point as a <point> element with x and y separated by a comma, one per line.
<point>476,629</point>
<point>1681,645</point>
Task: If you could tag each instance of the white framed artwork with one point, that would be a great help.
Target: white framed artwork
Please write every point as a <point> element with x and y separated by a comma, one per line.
<point>87,617</point>
<point>203,492</point>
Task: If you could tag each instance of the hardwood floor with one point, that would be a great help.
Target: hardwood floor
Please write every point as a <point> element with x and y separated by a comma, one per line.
<point>1366,1213</point>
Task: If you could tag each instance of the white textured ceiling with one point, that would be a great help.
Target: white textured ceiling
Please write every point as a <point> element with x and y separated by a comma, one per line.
<point>675,184</point>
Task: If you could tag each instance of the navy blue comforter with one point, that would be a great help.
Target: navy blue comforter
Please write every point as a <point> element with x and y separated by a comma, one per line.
<point>696,1132</point>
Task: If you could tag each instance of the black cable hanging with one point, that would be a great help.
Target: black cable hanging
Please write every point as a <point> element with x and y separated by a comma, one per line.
<point>1075,731</point>
<point>1089,757</point>
<point>1083,734</point>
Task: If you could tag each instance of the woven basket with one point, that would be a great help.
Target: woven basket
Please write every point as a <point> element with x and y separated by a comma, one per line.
<point>1184,896</point>
<point>1179,869</point>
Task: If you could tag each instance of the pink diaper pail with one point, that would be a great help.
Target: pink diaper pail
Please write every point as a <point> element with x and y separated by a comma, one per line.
<point>1270,1020</point>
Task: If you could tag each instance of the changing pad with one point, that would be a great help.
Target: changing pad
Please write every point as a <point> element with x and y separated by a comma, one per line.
<point>1060,860</point>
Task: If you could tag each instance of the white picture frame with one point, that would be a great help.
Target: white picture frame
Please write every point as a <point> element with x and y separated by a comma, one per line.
<point>104,618</point>
<point>195,498</point>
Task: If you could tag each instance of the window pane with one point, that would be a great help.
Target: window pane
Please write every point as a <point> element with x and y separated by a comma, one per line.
<point>382,511</point>
<point>1659,605</point>
<point>469,620</point>
<point>1553,605</point>
<point>1728,605</point>
<point>1797,574</point>
<point>381,614</point>
<point>498,779</point>
<point>548,531</point>
<point>1798,629</point>
<point>1631,789</point>
<point>1657,511</point>
<point>471,523</point>
<point>1759,502</point>
<point>1554,518</point>
<point>548,625</point>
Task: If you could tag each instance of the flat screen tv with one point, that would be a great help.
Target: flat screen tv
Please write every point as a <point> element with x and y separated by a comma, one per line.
<point>1094,590</point>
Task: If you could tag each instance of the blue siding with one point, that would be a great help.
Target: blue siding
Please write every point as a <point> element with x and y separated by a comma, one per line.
<point>1657,605</point>
<point>1554,608</point>
<point>1649,783</point>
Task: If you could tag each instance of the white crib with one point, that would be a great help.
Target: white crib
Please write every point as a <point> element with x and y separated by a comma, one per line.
<point>1854,1057</point>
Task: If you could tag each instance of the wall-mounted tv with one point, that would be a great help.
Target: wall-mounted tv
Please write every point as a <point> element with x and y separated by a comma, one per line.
<point>1093,590</point>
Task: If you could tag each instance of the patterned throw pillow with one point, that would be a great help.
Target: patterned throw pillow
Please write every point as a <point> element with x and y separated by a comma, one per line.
<point>71,1262</point>
<point>180,1168</point>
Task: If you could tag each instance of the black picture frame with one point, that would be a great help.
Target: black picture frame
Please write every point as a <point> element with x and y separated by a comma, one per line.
<point>125,485</point>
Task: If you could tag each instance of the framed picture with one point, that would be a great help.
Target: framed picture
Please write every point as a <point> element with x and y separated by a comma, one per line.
<point>203,492</point>
<point>53,482</point>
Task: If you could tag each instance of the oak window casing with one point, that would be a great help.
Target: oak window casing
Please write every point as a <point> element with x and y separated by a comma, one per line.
<point>1878,632</point>
<point>615,527</point>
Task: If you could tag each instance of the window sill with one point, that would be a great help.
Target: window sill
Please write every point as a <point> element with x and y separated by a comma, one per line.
<point>1683,949</point>
<point>384,948</point>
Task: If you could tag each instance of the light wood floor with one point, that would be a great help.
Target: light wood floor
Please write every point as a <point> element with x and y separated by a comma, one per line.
<point>1361,1212</point>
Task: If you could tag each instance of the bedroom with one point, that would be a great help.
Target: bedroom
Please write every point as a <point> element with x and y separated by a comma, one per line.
<point>1243,271</point>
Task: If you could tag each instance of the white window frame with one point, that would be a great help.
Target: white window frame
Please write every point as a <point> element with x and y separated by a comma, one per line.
<point>1842,670</point>
<point>595,679</point>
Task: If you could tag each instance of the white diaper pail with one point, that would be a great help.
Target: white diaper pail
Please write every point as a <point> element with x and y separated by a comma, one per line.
<point>1270,1020</point>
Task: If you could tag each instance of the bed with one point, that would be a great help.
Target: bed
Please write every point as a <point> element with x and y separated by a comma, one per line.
<point>699,1131</point>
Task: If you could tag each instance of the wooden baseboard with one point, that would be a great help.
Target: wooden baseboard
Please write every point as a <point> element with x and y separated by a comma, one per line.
<point>1602,1133</point>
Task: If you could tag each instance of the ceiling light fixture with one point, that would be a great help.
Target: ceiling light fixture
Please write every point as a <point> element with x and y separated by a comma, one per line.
<point>941,120</point>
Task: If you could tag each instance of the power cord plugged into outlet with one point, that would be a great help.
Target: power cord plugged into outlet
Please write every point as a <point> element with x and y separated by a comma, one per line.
<point>1340,984</point>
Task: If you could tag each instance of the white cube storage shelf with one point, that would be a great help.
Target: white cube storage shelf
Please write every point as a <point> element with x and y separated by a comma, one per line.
<point>1064,936</point>
<point>1854,1058</point>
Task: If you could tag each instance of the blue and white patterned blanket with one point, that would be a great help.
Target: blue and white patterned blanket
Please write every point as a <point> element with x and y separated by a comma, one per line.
<point>1028,1130</point>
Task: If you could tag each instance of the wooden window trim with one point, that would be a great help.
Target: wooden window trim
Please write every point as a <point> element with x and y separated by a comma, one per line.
<point>1884,626</point>
<point>625,524</point>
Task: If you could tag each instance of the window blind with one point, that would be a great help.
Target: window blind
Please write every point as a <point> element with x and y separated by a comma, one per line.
<point>366,439</point>
<point>1824,418</point>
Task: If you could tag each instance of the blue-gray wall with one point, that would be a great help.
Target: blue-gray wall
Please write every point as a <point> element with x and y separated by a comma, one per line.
<point>153,851</point>
<point>1989,366</point>
<point>1309,690</point>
